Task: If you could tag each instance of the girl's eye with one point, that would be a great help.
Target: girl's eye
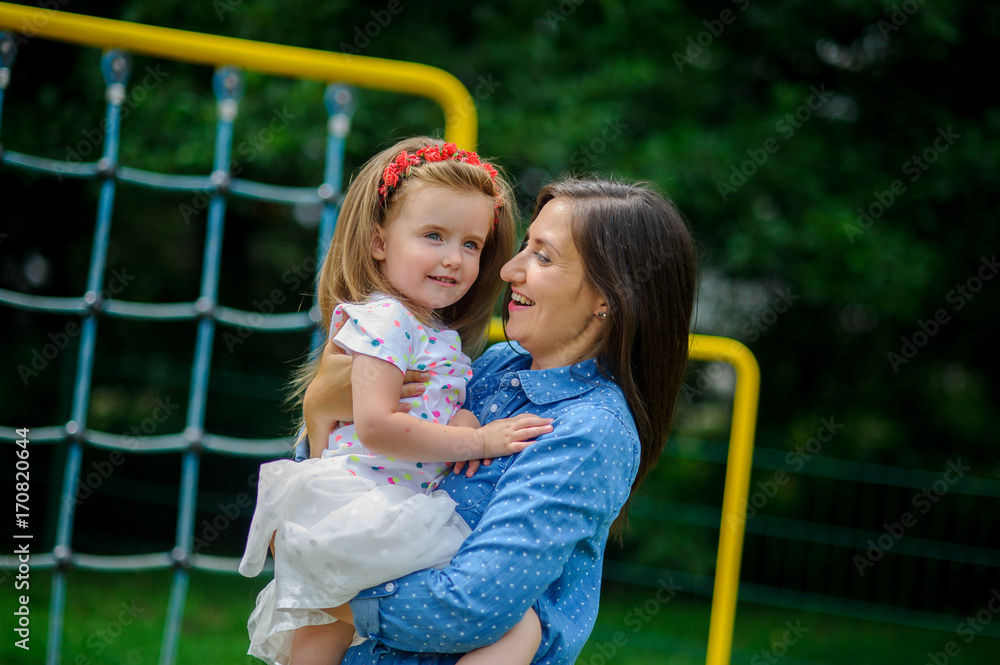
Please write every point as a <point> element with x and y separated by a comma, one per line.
<point>471,245</point>
<point>434,236</point>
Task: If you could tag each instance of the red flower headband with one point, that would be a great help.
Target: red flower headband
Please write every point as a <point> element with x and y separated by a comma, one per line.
<point>399,168</point>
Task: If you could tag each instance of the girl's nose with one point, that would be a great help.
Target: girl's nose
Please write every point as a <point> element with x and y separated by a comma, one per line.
<point>453,257</point>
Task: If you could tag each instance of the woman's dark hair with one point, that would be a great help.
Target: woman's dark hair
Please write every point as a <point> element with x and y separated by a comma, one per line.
<point>638,253</point>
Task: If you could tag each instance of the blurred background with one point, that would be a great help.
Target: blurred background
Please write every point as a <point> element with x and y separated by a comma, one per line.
<point>838,163</point>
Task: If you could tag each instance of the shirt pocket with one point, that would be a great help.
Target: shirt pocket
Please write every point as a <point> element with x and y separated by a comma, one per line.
<point>473,495</point>
<point>478,393</point>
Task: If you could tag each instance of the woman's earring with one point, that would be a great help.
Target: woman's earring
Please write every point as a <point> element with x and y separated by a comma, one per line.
<point>602,315</point>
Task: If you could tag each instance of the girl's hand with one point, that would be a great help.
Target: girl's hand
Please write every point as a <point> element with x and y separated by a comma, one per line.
<point>511,435</point>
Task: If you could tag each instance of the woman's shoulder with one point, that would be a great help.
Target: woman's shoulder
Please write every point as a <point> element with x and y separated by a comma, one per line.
<point>603,410</point>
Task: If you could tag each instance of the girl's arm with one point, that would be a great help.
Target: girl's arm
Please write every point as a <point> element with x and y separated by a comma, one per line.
<point>466,418</point>
<point>383,429</point>
<point>328,398</point>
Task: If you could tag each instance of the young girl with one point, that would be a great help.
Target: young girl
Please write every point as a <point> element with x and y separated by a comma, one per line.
<point>413,268</point>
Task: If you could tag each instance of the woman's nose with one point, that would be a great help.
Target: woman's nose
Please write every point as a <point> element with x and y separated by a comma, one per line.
<point>512,270</point>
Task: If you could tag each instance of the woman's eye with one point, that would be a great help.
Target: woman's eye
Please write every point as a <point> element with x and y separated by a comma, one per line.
<point>541,257</point>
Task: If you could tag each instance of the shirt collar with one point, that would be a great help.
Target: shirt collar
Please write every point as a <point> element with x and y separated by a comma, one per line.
<point>544,386</point>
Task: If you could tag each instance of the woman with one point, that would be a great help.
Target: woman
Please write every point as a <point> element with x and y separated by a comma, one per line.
<point>600,301</point>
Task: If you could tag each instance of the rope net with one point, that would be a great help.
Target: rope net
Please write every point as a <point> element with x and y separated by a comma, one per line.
<point>205,312</point>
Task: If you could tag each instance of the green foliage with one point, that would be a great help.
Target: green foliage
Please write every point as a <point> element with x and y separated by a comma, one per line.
<point>683,94</point>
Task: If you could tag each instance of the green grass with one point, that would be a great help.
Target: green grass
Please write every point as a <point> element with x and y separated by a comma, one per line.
<point>118,619</point>
<point>675,633</point>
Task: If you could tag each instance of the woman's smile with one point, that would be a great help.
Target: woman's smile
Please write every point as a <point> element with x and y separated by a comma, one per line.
<point>516,299</point>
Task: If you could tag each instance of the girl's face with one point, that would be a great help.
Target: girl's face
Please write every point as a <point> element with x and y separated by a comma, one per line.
<point>553,310</point>
<point>430,253</point>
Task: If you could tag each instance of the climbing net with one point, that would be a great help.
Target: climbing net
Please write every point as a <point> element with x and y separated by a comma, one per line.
<point>208,314</point>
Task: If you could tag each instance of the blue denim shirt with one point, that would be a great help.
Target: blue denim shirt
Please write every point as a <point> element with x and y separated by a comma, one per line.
<point>540,522</point>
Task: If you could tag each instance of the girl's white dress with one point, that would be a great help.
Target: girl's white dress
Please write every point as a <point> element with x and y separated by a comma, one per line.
<point>354,519</point>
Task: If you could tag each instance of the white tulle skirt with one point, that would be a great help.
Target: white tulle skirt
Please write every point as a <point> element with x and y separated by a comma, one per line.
<point>335,534</point>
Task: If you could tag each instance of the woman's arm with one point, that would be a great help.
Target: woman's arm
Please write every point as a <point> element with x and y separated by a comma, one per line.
<point>550,511</point>
<point>329,397</point>
<point>383,429</point>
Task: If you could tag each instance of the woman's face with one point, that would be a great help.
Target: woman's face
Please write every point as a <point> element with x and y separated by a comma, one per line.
<point>553,310</point>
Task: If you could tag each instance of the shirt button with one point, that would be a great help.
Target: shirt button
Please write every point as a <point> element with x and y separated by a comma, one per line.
<point>390,587</point>
<point>515,383</point>
<point>493,408</point>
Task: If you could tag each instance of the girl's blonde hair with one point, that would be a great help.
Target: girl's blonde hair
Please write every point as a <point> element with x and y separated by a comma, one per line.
<point>351,274</point>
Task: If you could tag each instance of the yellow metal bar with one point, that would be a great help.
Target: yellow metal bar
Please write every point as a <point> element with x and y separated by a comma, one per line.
<point>495,332</point>
<point>274,59</point>
<point>727,568</point>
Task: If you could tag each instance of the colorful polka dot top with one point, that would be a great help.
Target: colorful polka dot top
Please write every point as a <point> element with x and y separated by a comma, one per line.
<point>382,327</point>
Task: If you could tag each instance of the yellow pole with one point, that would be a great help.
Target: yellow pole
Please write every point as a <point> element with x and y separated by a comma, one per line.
<point>275,59</point>
<point>727,569</point>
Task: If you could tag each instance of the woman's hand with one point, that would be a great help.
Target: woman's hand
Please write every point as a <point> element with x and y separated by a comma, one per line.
<point>327,400</point>
<point>464,418</point>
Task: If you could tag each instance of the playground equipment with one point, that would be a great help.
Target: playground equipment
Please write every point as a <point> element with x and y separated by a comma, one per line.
<point>230,57</point>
